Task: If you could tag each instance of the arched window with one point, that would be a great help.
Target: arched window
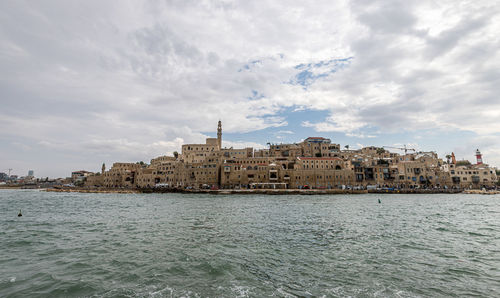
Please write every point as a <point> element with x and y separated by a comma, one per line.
<point>337,167</point>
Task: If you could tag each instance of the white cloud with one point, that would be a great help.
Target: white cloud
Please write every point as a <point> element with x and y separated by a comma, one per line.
<point>140,75</point>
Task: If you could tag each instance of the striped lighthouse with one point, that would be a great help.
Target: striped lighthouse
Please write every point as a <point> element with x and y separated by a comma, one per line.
<point>479,157</point>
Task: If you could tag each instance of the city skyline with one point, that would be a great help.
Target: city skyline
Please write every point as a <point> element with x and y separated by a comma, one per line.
<point>86,83</point>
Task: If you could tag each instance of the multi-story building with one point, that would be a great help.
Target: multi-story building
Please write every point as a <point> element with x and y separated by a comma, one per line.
<point>121,174</point>
<point>313,163</point>
<point>78,176</point>
<point>472,176</point>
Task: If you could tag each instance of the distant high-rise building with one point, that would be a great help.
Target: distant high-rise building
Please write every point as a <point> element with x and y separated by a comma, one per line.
<point>31,173</point>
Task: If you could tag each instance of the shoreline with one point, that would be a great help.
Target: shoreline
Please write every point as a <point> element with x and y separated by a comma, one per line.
<point>270,191</point>
<point>260,191</point>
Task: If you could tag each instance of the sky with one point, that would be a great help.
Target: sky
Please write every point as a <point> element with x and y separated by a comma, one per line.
<point>87,82</point>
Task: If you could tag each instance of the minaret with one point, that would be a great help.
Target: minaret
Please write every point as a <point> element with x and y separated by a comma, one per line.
<point>103,169</point>
<point>453,159</point>
<point>479,157</point>
<point>219,135</point>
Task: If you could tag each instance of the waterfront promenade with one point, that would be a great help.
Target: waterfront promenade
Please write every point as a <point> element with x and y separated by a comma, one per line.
<point>264,191</point>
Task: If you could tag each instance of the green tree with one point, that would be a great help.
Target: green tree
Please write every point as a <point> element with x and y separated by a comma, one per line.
<point>176,154</point>
<point>80,183</point>
<point>463,163</point>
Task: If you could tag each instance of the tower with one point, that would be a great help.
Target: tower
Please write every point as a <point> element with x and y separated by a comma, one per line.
<point>479,157</point>
<point>453,159</point>
<point>103,169</point>
<point>219,134</point>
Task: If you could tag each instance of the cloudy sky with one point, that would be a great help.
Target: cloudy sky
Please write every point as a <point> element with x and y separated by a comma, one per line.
<point>87,82</point>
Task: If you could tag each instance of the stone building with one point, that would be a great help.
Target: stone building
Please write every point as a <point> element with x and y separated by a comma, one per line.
<point>121,174</point>
<point>94,180</point>
<point>315,162</point>
<point>472,176</point>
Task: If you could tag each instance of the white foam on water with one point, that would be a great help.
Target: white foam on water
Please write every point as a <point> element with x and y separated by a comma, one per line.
<point>166,292</point>
<point>12,279</point>
<point>189,294</point>
<point>241,291</point>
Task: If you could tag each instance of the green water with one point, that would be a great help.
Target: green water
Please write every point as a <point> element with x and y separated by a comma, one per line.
<point>178,245</point>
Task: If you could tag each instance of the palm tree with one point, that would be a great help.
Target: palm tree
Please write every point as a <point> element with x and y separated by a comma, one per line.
<point>448,157</point>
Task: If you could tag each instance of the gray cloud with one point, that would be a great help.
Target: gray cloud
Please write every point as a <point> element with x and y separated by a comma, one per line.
<point>127,80</point>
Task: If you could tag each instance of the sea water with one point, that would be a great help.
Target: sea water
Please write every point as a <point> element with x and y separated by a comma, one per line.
<point>197,245</point>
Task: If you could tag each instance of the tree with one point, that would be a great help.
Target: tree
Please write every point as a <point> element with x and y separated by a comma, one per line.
<point>142,164</point>
<point>448,157</point>
<point>380,150</point>
<point>176,154</point>
<point>80,183</point>
<point>463,163</point>
<point>346,147</point>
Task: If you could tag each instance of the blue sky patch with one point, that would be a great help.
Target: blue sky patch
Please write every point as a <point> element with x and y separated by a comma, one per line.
<point>310,72</point>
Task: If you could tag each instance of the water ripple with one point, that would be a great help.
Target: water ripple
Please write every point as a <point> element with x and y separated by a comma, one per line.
<point>177,245</point>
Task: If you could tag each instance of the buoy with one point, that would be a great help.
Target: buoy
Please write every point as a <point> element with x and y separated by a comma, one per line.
<point>379,201</point>
<point>20,214</point>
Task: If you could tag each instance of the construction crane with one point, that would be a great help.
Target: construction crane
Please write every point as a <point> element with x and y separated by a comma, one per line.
<point>405,149</point>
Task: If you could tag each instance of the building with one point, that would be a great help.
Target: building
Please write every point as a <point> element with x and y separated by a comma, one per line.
<point>79,176</point>
<point>315,162</point>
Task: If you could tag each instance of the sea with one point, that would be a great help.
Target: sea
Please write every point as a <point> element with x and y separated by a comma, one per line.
<point>203,245</point>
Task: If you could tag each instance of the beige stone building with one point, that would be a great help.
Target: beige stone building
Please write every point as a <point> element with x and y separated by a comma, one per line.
<point>95,180</point>
<point>313,163</point>
<point>472,176</point>
<point>121,174</point>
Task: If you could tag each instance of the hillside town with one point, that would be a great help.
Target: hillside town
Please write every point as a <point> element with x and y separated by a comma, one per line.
<point>314,163</point>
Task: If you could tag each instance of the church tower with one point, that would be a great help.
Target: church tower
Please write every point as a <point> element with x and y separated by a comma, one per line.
<point>219,135</point>
<point>103,169</point>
